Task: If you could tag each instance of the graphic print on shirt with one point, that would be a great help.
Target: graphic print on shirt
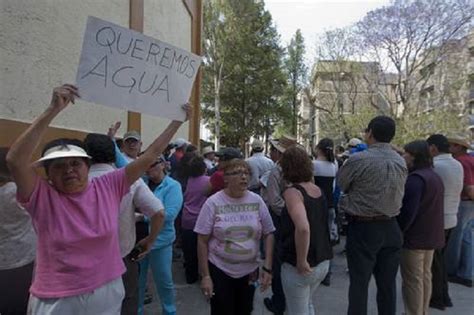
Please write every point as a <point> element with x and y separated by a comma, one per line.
<point>239,226</point>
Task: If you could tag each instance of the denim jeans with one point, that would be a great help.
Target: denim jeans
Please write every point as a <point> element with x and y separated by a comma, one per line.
<point>459,250</point>
<point>160,261</point>
<point>299,289</point>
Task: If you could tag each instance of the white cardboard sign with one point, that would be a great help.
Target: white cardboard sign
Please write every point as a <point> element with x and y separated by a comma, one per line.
<point>125,69</point>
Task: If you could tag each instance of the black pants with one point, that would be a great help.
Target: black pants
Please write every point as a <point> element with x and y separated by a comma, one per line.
<point>373,247</point>
<point>232,296</point>
<point>278,297</point>
<point>189,238</point>
<point>130,283</point>
<point>439,280</point>
<point>14,289</point>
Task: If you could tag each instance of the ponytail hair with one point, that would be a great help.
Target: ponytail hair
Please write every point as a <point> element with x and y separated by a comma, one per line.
<point>326,146</point>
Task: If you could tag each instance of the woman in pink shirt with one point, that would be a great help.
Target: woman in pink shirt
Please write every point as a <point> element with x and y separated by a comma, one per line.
<point>78,263</point>
<point>230,226</point>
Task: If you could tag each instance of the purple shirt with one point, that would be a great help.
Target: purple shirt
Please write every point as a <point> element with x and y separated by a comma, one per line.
<point>235,226</point>
<point>78,243</point>
<point>194,197</point>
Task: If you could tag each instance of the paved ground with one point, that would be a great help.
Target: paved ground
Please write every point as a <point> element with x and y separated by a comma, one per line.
<point>328,300</point>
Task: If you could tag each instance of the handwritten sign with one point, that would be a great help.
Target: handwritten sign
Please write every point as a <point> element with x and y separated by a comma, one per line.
<point>122,68</point>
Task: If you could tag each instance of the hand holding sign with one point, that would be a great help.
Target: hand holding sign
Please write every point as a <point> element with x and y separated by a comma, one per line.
<point>62,95</point>
<point>122,68</point>
<point>188,109</point>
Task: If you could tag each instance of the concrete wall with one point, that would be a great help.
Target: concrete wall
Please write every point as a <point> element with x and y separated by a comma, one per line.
<point>40,45</point>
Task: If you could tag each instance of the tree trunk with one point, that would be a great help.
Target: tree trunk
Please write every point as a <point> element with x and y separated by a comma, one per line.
<point>217,105</point>
<point>217,113</point>
<point>295,116</point>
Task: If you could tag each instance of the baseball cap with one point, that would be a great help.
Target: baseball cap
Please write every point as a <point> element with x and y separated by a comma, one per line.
<point>62,151</point>
<point>229,154</point>
<point>132,134</point>
<point>257,144</point>
<point>354,142</point>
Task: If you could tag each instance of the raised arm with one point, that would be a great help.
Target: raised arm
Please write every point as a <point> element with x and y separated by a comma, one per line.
<point>120,160</point>
<point>136,168</point>
<point>19,155</point>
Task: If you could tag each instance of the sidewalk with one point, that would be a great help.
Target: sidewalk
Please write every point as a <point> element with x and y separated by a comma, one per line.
<point>328,300</point>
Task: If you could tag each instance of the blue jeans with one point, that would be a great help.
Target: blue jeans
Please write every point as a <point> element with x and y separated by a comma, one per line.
<point>299,289</point>
<point>160,261</point>
<point>459,249</point>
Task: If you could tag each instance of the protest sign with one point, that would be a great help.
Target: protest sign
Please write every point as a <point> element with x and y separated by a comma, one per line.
<point>122,68</point>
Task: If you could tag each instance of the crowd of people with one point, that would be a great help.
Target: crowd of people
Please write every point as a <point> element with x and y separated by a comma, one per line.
<point>82,238</point>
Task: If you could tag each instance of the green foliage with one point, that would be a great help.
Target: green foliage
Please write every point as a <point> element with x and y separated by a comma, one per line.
<point>296,71</point>
<point>250,59</point>
<point>410,126</point>
<point>413,126</point>
<point>415,73</point>
<point>341,128</point>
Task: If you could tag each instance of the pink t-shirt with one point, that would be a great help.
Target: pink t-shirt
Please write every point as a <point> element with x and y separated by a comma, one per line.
<point>78,246</point>
<point>235,227</point>
<point>194,197</point>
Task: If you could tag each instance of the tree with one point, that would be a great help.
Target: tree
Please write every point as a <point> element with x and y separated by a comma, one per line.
<point>297,71</point>
<point>217,41</point>
<point>251,76</point>
<point>407,36</point>
<point>401,57</point>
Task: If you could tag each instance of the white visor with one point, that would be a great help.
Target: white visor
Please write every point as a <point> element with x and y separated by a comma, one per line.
<point>62,151</point>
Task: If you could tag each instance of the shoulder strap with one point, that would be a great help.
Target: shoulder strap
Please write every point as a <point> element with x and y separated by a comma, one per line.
<point>301,190</point>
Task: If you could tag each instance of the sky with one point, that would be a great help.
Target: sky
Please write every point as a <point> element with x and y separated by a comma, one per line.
<point>314,17</point>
